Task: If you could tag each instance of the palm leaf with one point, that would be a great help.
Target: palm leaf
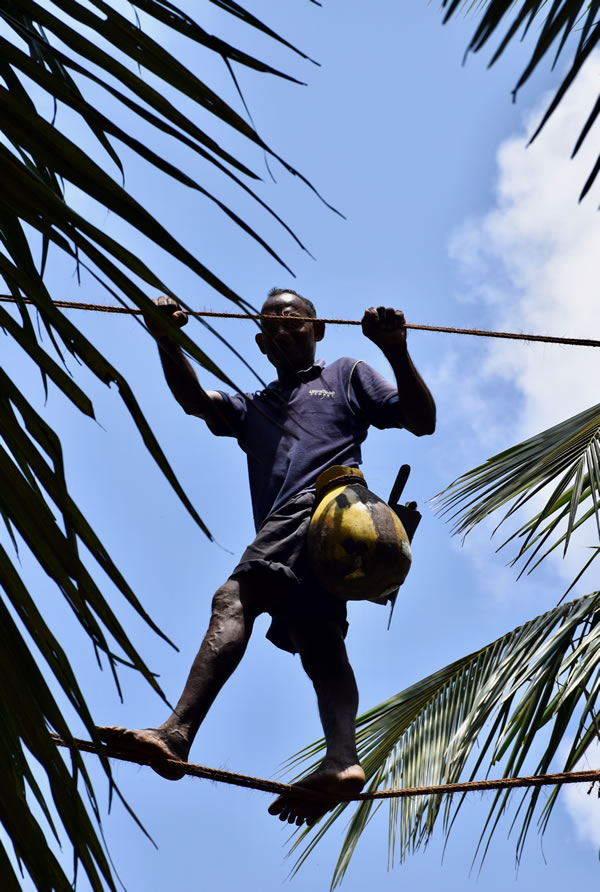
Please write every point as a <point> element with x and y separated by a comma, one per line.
<point>560,22</point>
<point>566,457</point>
<point>65,53</point>
<point>532,683</point>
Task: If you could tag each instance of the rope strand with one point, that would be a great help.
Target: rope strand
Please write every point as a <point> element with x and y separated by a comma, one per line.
<point>256,783</point>
<point>481,333</point>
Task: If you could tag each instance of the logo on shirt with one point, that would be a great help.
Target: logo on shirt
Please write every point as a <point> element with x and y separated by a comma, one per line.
<point>321,393</point>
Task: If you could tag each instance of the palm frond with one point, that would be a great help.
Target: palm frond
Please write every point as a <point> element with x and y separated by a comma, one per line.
<point>562,23</point>
<point>566,456</point>
<point>70,53</point>
<point>537,681</point>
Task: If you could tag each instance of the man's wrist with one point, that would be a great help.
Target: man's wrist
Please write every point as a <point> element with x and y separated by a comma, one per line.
<point>167,346</point>
<point>395,348</point>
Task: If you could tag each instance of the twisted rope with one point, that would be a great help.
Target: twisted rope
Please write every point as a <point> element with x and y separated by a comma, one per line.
<point>482,333</point>
<point>257,783</point>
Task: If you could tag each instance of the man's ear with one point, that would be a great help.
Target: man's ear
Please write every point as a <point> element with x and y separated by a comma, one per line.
<point>259,340</point>
<point>319,330</point>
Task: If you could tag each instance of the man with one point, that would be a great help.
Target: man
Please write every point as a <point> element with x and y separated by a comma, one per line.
<point>312,417</point>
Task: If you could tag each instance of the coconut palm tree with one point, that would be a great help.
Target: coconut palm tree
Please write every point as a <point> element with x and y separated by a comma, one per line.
<point>64,55</point>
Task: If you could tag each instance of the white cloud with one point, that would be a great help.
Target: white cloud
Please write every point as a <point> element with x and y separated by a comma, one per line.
<point>533,261</point>
<point>583,804</point>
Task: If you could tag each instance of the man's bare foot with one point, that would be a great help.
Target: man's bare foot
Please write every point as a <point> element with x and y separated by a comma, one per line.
<point>155,746</point>
<point>334,782</point>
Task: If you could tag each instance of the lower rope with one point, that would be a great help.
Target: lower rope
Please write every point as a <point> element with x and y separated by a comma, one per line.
<point>256,783</point>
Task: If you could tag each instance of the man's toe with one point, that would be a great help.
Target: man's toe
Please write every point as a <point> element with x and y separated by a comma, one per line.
<point>276,806</point>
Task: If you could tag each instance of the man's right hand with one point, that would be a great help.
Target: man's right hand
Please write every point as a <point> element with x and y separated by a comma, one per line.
<point>169,307</point>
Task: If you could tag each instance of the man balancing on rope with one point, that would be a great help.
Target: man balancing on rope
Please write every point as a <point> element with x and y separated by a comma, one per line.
<point>312,417</point>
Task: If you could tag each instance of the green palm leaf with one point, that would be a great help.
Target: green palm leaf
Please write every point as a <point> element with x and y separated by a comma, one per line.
<point>64,53</point>
<point>534,682</point>
<point>559,24</point>
<point>566,457</point>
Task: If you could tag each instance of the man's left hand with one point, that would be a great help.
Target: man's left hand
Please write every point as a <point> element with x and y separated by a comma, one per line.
<point>384,326</point>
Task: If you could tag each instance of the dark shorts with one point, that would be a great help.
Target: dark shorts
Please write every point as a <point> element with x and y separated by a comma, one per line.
<point>277,559</point>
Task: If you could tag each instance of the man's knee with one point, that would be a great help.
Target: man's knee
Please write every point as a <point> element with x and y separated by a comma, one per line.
<point>226,600</point>
<point>233,599</point>
<point>320,645</point>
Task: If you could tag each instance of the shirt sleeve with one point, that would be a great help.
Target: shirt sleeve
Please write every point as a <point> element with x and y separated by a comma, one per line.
<point>372,395</point>
<point>233,418</point>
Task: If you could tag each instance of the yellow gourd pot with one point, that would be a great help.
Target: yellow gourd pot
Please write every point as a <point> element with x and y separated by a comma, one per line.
<point>357,547</point>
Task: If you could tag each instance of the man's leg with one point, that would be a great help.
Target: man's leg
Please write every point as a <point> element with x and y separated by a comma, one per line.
<point>234,609</point>
<point>325,661</point>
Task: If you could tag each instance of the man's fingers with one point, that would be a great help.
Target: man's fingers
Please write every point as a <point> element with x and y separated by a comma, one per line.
<point>386,318</point>
<point>171,308</point>
<point>384,325</point>
<point>180,318</point>
<point>390,318</point>
<point>398,319</point>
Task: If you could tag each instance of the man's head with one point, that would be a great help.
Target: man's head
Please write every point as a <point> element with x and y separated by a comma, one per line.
<point>289,342</point>
<point>308,304</point>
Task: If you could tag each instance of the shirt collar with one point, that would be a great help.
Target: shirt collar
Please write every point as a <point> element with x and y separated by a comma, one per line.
<point>304,375</point>
<point>312,372</point>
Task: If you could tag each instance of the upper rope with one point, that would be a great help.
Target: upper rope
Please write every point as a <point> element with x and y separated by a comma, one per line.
<point>481,333</point>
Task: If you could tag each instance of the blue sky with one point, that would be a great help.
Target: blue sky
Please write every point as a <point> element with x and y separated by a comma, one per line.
<point>448,217</point>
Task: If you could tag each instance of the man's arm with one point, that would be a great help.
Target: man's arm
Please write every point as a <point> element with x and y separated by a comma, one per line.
<point>386,328</point>
<point>179,374</point>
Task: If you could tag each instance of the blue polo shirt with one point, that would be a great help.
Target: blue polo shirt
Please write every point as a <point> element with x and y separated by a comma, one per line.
<point>290,433</point>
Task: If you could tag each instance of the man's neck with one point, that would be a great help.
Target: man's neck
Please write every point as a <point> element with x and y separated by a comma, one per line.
<point>287,375</point>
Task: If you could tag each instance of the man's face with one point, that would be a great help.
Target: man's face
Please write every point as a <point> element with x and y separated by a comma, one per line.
<point>288,342</point>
